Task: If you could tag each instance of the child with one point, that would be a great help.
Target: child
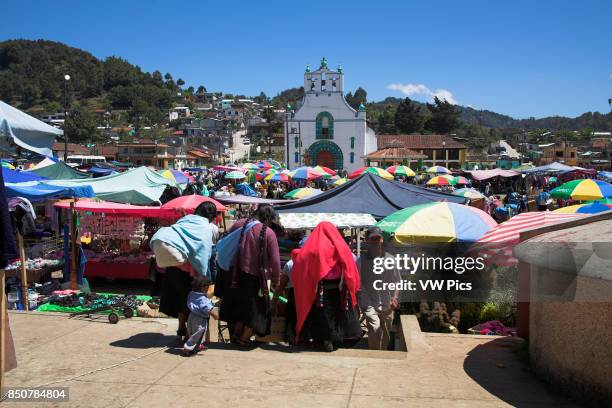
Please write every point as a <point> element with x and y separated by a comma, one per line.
<point>201,308</point>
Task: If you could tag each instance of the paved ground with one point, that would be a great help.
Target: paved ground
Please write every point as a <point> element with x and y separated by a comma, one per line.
<point>128,364</point>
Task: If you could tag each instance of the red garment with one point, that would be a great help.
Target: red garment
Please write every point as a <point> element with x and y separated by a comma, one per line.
<point>324,249</point>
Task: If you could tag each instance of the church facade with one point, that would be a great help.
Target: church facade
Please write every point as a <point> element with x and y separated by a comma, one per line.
<point>325,130</point>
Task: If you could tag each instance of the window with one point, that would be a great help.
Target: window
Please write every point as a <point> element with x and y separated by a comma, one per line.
<point>453,154</point>
<point>352,142</point>
<point>296,142</point>
<point>428,153</point>
<point>324,126</point>
<point>352,157</point>
<point>296,157</point>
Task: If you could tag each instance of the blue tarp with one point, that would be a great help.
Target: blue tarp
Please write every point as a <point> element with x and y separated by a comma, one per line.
<point>39,191</point>
<point>17,128</point>
<point>246,190</point>
<point>100,170</point>
<point>14,176</point>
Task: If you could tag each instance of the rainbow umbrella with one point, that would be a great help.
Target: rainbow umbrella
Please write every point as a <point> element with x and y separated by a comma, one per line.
<point>442,181</point>
<point>470,193</point>
<point>553,180</point>
<point>305,173</point>
<point>437,222</point>
<point>340,181</point>
<point>175,175</point>
<point>8,165</point>
<point>461,180</point>
<point>270,171</point>
<point>583,190</point>
<point>250,166</point>
<point>592,208</point>
<point>401,171</point>
<point>304,192</point>
<point>263,164</point>
<point>326,171</point>
<point>373,170</point>
<point>275,164</point>
<point>602,201</point>
<point>280,177</point>
<point>438,170</point>
<point>235,175</point>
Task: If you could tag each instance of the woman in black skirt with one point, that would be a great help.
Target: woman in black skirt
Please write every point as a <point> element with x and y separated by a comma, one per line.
<point>326,282</point>
<point>245,302</point>
<point>176,281</point>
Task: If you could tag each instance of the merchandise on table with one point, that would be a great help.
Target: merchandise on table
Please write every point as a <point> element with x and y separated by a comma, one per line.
<point>35,264</point>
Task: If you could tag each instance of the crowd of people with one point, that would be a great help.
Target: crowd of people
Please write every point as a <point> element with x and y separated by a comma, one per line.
<point>326,286</point>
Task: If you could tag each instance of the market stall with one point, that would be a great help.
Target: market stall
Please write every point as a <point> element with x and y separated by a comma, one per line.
<point>117,234</point>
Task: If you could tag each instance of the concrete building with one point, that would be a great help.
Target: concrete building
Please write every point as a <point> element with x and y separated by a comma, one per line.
<point>563,152</point>
<point>146,153</point>
<point>326,130</point>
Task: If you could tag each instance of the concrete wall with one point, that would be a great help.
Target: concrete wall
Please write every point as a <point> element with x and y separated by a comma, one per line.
<point>570,342</point>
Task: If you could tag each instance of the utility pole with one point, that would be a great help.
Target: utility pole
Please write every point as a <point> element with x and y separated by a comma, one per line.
<point>66,79</point>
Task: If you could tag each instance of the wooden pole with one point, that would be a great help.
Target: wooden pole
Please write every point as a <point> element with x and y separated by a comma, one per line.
<point>73,254</point>
<point>2,329</point>
<point>24,274</point>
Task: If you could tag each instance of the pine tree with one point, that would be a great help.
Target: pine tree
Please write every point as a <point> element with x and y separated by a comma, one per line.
<point>408,117</point>
<point>444,117</point>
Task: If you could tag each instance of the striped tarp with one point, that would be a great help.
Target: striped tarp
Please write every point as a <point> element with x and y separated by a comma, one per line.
<point>498,242</point>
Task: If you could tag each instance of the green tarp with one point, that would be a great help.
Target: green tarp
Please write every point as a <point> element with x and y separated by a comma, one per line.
<point>60,171</point>
<point>139,186</point>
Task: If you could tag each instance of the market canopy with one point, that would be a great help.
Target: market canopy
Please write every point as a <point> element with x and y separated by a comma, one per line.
<point>60,171</point>
<point>552,167</point>
<point>368,194</point>
<point>311,220</point>
<point>19,128</point>
<point>242,199</point>
<point>117,209</point>
<point>187,204</point>
<point>14,176</point>
<point>34,191</point>
<point>141,186</point>
<point>488,174</point>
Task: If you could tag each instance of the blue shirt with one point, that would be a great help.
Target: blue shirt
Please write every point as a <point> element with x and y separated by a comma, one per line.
<point>193,236</point>
<point>199,304</point>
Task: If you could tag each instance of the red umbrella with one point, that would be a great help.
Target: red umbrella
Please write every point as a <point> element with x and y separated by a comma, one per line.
<point>189,176</point>
<point>187,204</point>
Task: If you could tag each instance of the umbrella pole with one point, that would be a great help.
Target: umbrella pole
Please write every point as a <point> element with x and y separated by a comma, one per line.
<point>73,256</point>
<point>2,330</point>
<point>24,275</point>
<point>358,232</point>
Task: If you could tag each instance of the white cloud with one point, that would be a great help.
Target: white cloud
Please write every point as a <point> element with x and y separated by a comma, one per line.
<point>420,89</point>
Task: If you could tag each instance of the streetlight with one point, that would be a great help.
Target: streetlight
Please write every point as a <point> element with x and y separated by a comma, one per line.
<point>66,79</point>
<point>444,153</point>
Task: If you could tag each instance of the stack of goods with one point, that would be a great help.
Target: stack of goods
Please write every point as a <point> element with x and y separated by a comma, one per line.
<point>492,328</point>
<point>102,226</point>
<point>74,301</point>
<point>36,264</point>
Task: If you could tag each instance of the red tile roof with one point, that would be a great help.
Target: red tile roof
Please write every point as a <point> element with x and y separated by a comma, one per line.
<point>395,153</point>
<point>72,148</point>
<point>197,153</point>
<point>418,142</point>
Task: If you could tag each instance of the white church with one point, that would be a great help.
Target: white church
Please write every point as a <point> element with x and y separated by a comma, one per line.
<point>325,130</point>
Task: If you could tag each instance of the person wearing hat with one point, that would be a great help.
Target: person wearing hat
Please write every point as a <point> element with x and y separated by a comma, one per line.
<point>200,309</point>
<point>377,305</point>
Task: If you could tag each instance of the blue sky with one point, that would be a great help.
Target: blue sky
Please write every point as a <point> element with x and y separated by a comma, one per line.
<point>521,58</point>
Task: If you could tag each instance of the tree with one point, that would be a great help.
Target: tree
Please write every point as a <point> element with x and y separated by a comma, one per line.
<point>180,82</point>
<point>201,90</point>
<point>386,121</point>
<point>444,117</point>
<point>357,99</point>
<point>408,117</point>
<point>80,125</point>
<point>168,77</point>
